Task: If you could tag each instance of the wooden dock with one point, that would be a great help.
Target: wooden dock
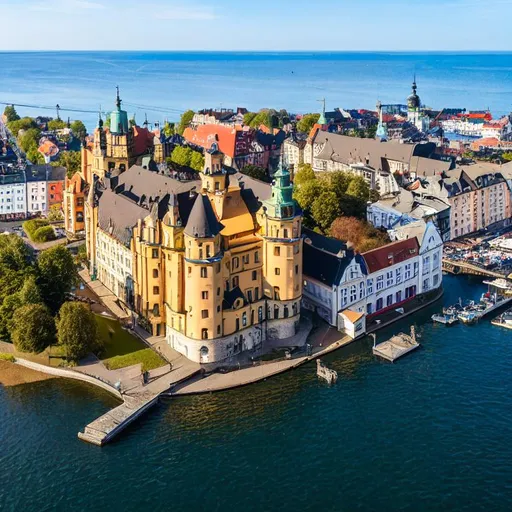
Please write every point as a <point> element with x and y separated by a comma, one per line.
<point>397,346</point>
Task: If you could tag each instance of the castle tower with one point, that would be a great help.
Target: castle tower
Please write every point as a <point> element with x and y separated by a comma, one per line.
<point>280,221</point>
<point>203,273</point>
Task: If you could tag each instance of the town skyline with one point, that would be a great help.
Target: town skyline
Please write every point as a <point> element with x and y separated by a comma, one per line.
<point>287,26</point>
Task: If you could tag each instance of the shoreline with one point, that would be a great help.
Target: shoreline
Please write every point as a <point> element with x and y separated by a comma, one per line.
<point>12,374</point>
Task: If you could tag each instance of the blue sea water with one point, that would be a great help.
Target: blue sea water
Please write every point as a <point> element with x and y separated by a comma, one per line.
<point>431,432</point>
<point>163,84</point>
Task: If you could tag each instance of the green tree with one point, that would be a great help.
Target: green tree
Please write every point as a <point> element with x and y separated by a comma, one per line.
<point>9,306</point>
<point>261,118</point>
<point>256,172</point>
<point>325,209</point>
<point>185,120</point>
<point>15,264</point>
<point>77,330</point>
<point>57,274</point>
<point>106,124</point>
<point>29,139</point>
<point>182,155</point>
<point>56,124</point>
<point>307,193</point>
<point>168,129</point>
<point>197,161</point>
<point>25,123</point>
<point>248,118</point>
<point>307,122</point>
<point>359,188</point>
<point>79,130</point>
<point>30,293</point>
<point>34,156</point>
<point>304,174</point>
<point>71,160</point>
<point>33,328</point>
<point>11,114</point>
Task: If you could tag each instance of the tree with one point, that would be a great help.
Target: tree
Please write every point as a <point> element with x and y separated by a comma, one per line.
<point>79,130</point>
<point>197,161</point>
<point>56,124</point>
<point>306,194</point>
<point>11,114</point>
<point>307,122</point>
<point>261,118</point>
<point>304,174</point>
<point>186,119</point>
<point>71,160</point>
<point>57,274</point>
<point>33,328</point>
<point>362,235</point>
<point>181,155</point>
<point>25,123</point>
<point>29,139</point>
<point>30,294</point>
<point>256,172</point>
<point>248,118</point>
<point>106,124</point>
<point>325,209</point>
<point>359,188</point>
<point>169,129</point>
<point>10,304</point>
<point>77,330</point>
<point>15,264</point>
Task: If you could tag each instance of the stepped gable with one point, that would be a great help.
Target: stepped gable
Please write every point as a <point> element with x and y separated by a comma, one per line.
<point>202,221</point>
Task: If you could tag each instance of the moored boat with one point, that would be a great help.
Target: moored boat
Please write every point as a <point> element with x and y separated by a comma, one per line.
<point>446,319</point>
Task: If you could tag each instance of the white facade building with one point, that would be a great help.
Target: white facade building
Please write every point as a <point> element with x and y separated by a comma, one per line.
<point>13,203</point>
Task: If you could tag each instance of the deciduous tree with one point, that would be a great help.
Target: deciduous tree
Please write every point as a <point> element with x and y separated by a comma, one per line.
<point>185,120</point>
<point>33,328</point>
<point>79,130</point>
<point>77,330</point>
<point>304,174</point>
<point>56,124</point>
<point>256,172</point>
<point>325,208</point>
<point>11,114</point>
<point>307,122</point>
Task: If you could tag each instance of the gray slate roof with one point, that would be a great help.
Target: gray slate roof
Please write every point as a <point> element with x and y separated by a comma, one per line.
<point>202,221</point>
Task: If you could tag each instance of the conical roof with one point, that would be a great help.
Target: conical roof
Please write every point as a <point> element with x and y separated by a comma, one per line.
<point>202,222</point>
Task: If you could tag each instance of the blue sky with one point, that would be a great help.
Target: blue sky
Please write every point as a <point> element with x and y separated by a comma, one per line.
<point>401,25</point>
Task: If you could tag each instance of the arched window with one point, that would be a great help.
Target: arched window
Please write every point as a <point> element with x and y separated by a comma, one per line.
<point>204,334</point>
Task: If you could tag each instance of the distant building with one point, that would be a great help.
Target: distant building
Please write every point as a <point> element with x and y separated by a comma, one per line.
<point>415,113</point>
<point>45,185</point>
<point>13,199</point>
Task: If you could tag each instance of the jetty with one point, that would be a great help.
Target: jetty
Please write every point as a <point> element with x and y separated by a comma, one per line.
<point>397,346</point>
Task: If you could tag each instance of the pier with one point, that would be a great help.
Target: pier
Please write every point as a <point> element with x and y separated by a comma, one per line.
<point>463,267</point>
<point>397,346</point>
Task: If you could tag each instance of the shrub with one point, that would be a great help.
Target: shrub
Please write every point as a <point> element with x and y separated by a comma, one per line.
<point>7,357</point>
<point>44,234</point>
<point>31,226</point>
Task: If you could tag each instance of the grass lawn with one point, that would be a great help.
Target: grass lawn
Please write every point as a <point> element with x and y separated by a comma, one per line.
<point>121,349</point>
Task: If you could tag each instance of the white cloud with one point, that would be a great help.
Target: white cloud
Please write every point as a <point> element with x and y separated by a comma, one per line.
<point>64,6</point>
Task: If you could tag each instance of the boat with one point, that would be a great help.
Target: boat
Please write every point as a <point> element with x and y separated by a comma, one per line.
<point>446,319</point>
<point>397,346</point>
<point>504,320</point>
<point>468,317</point>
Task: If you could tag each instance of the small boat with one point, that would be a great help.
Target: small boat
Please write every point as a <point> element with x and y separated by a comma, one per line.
<point>503,320</point>
<point>397,346</point>
<point>445,319</point>
<point>467,317</point>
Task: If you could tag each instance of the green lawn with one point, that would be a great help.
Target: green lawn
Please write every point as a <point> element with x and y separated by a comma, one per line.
<point>121,349</point>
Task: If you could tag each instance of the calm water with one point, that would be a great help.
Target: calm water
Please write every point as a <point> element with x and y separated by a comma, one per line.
<point>430,432</point>
<point>164,84</point>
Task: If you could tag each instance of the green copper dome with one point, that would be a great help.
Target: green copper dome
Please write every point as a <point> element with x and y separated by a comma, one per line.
<point>119,118</point>
<point>281,205</point>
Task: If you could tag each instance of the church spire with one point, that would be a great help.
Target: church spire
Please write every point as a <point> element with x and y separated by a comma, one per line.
<point>322,120</point>
<point>118,99</point>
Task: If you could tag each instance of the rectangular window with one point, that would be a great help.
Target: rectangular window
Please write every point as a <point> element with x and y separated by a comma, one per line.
<point>156,290</point>
<point>235,281</point>
<point>380,282</point>
<point>155,273</point>
<point>204,313</point>
<point>204,272</point>
<point>256,257</point>
<point>204,295</point>
<point>436,279</point>
<point>369,286</point>
<point>389,278</point>
<point>208,251</point>
<point>277,251</point>
<point>235,263</point>
<point>245,258</point>
<point>277,271</point>
<point>398,275</point>
<point>218,292</point>
<point>407,273</point>
<point>389,300</point>
<point>254,275</point>
<point>426,264</point>
<point>296,270</point>
<point>154,253</point>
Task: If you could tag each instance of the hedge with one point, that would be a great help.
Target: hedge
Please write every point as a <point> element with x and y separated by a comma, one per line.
<point>44,234</point>
<point>31,226</point>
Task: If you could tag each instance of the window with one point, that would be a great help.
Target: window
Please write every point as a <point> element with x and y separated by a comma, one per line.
<point>369,286</point>
<point>398,296</point>
<point>235,281</point>
<point>426,264</point>
<point>256,257</point>
<point>277,251</point>
<point>154,253</point>
<point>436,280</point>
<point>204,334</point>
<point>296,270</point>
<point>389,300</point>
<point>286,313</point>
<point>277,271</point>
<point>189,270</point>
<point>276,293</point>
<point>379,304</point>
<point>254,275</point>
<point>256,294</point>
<point>156,290</point>
<point>217,268</point>
<point>276,311</point>
<point>218,309</point>
<point>416,267</point>
<point>398,275</point>
<point>204,313</point>
<point>249,295</point>
<point>426,284</point>
<point>260,314</point>
<point>204,295</point>
<point>244,319</point>
<point>208,249</point>
<point>245,258</point>
<point>361,290</point>
<point>435,261</point>
<point>200,254</point>
<point>353,293</point>
<point>235,263</point>
<point>285,233</point>
<point>218,292</point>
<point>380,282</point>
<point>155,273</point>
<point>389,278</point>
<point>407,273</point>
<point>237,324</point>
<point>204,272</point>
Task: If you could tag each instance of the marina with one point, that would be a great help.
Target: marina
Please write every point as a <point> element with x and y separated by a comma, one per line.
<point>397,346</point>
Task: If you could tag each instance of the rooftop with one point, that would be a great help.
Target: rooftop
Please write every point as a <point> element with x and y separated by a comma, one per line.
<point>391,254</point>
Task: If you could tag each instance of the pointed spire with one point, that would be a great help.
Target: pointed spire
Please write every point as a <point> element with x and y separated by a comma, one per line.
<point>100,120</point>
<point>118,99</point>
<point>202,221</point>
<point>322,120</point>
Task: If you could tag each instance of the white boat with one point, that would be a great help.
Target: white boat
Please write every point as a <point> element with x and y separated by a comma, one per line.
<point>446,319</point>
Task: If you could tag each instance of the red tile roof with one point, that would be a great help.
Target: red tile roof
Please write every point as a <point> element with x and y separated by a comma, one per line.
<point>391,254</point>
<point>206,134</point>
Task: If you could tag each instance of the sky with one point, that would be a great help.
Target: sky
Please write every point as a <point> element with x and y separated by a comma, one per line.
<point>265,25</point>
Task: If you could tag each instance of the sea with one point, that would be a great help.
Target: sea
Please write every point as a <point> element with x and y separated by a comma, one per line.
<point>430,432</point>
<point>161,85</point>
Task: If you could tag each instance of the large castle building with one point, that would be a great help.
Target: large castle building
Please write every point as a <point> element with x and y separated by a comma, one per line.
<point>204,263</point>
